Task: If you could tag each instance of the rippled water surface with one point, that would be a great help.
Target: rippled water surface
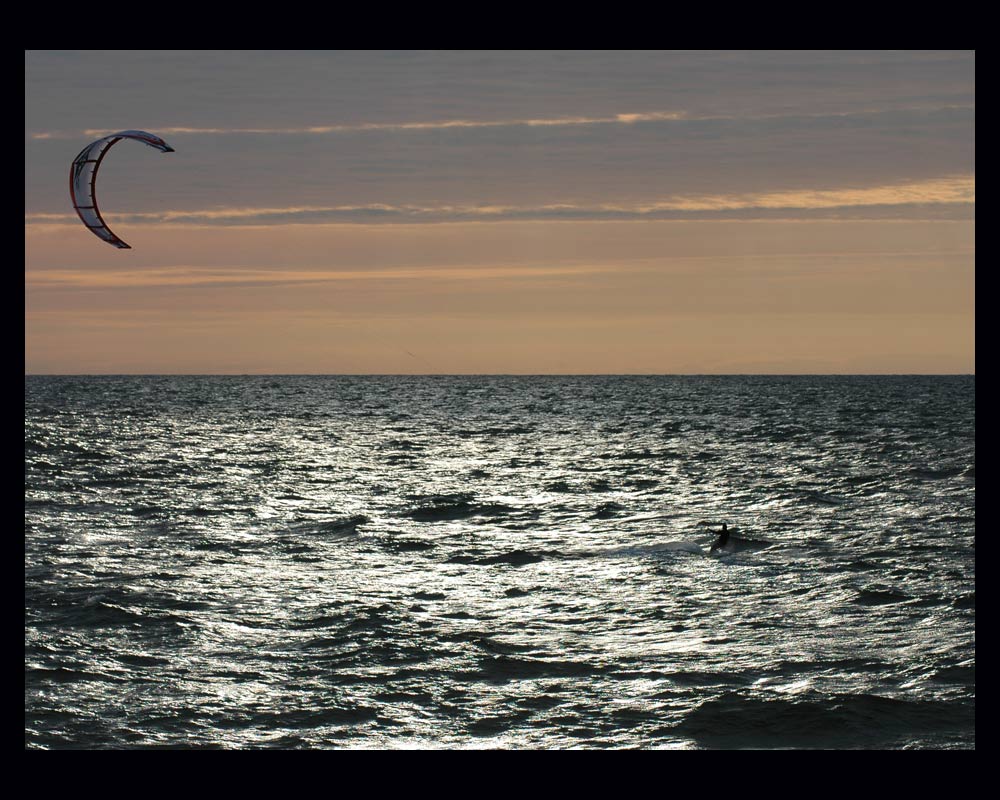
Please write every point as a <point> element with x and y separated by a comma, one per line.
<point>513,562</point>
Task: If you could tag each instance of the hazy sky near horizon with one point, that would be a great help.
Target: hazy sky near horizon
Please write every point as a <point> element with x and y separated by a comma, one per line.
<point>505,212</point>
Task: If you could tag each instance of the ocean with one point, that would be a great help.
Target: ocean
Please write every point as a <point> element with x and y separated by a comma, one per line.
<point>505,562</point>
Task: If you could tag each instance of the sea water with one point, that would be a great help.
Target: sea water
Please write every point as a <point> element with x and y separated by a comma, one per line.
<point>499,562</point>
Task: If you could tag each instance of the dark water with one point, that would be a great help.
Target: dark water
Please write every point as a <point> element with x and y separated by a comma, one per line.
<point>499,562</point>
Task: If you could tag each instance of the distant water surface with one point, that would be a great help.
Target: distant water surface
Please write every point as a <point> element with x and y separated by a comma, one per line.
<point>499,562</point>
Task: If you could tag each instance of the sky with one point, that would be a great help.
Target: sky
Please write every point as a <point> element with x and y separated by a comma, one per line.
<point>527,212</point>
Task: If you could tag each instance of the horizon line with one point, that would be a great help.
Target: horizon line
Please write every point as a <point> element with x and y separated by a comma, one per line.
<point>499,374</point>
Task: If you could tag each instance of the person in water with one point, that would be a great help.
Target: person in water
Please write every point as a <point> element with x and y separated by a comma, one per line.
<point>723,538</point>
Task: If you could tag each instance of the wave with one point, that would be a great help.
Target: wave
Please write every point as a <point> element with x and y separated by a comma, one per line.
<point>608,510</point>
<point>502,668</point>
<point>739,720</point>
<point>402,545</point>
<point>441,508</point>
<point>652,550</point>
<point>305,718</point>
<point>958,673</point>
<point>739,544</point>
<point>938,474</point>
<point>72,450</point>
<point>402,444</point>
<point>880,597</point>
<point>822,498</point>
<point>101,614</point>
<point>639,455</point>
<point>322,621</point>
<point>334,528</point>
<point>792,667</point>
<point>64,675</point>
<point>495,431</point>
<point>514,558</point>
<point>422,595</point>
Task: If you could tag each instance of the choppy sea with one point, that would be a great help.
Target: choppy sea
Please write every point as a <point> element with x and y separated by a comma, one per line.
<point>500,562</point>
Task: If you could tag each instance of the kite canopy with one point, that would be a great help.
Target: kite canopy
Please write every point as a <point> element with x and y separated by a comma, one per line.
<point>83,177</point>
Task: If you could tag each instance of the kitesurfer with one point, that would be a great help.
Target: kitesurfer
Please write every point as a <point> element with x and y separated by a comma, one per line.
<point>723,538</point>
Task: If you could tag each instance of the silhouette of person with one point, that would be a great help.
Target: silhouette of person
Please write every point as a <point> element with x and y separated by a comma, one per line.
<point>723,538</point>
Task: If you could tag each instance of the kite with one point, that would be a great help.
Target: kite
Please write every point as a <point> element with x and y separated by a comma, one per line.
<point>83,177</point>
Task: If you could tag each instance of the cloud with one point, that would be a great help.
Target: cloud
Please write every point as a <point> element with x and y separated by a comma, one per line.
<point>623,118</point>
<point>181,276</point>
<point>632,163</point>
<point>936,194</point>
<point>617,119</point>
